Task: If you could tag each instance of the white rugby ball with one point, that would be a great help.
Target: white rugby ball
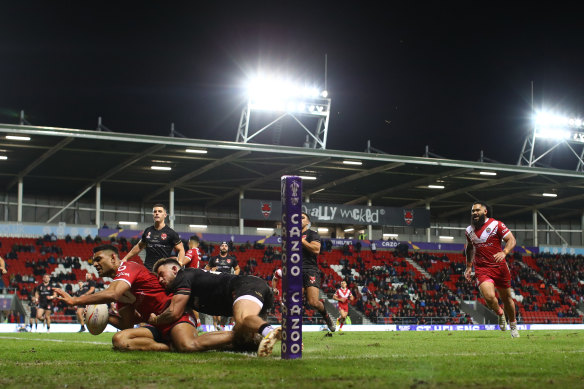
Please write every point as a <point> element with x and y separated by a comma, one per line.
<point>96,318</point>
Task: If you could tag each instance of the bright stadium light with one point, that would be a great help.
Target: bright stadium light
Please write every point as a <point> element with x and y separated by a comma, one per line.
<point>549,194</point>
<point>166,168</point>
<point>443,237</point>
<point>308,178</point>
<point>436,186</point>
<point>322,230</point>
<point>390,235</point>
<point>349,230</point>
<point>559,127</point>
<point>16,137</point>
<point>199,226</point>
<point>196,151</point>
<point>265,229</point>
<point>282,97</point>
<point>349,162</point>
<point>126,223</point>
<point>488,173</point>
<point>3,157</point>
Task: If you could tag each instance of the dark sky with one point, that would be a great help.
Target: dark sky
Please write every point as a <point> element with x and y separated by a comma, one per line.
<point>456,77</point>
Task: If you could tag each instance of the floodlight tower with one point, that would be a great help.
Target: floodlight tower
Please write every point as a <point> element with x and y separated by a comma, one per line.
<point>307,105</point>
<point>553,130</point>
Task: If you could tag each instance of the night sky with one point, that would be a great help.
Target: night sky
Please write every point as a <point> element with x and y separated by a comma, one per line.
<point>456,77</point>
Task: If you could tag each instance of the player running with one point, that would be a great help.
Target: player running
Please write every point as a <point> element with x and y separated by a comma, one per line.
<point>343,295</point>
<point>483,247</point>
<point>44,294</point>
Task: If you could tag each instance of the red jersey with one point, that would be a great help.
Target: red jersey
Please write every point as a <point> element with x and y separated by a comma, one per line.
<point>344,294</point>
<point>278,279</point>
<point>146,294</point>
<point>195,256</point>
<point>487,242</point>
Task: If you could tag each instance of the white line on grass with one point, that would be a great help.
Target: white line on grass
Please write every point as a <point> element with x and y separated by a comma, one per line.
<point>54,340</point>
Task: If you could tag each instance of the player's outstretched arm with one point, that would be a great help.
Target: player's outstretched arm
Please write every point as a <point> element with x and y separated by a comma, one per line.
<point>112,293</point>
<point>175,310</point>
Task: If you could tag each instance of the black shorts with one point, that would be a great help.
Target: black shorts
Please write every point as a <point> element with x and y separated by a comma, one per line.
<point>33,312</point>
<point>45,305</point>
<point>310,277</point>
<point>256,287</point>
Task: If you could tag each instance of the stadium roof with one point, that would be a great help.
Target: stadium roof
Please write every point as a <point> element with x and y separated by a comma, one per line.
<point>67,162</point>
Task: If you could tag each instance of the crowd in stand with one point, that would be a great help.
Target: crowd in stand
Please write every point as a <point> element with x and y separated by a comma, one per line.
<point>388,289</point>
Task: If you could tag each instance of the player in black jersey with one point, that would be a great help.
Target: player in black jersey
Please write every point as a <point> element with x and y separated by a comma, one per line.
<point>159,240</point>
<point>85,288</point>
<point>311,272</point>
<point>246,298</point>
<point>33,304</point>
<point>223,263</point>
<point>45,294</point>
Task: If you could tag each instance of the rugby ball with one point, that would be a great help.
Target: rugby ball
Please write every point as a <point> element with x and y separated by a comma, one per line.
<point>96,318</point>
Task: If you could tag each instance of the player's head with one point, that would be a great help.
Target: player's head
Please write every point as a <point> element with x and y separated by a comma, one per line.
<point>80,284</point>
<point>344,284</point>
<point>479,213</point>
<point>106,260</point>
<point>305,220</point>
<point>159,213</point>
<point>194,241</point>
<point>224,248</point>
<point>88,276</point>
<point>166,269</point>
<point>46,278</point>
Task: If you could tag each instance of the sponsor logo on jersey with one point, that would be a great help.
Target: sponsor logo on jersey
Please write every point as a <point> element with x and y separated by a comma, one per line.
<point>408,216</point>
<point>163,236</point>
<point>148,236</point>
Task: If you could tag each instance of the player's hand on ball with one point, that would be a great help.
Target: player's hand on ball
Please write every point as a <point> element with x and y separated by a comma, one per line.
<point>152,319</point>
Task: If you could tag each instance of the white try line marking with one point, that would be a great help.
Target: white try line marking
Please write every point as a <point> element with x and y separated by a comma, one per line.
<point>54,340</point>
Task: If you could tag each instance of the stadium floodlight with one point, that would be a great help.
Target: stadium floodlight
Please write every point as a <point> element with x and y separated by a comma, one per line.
<point>443,237</point>
<point>557,129</point>
<point>436,186</point>
<point>304,102</point>
<point>166,168</point>
<point>200,226</point>
<point>390,235</point>
<point>349,162</point>
<point>265,229</point>
<point>323,230</point>
<point>308,178</point>
<point>349,230</point>
<point>17,137</point>
<point>488,173</point>
<point>126,223</point>
<point>3,157</point>
<point>196,151</point>
<point>549,194</point>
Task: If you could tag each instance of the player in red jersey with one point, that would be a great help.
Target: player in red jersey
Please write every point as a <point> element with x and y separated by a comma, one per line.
<point>192,259</point>
<point>483,247</point>
<point>193,255</point>
<point>138,295</point>
<point>277,282</point>
<point>343,295</point>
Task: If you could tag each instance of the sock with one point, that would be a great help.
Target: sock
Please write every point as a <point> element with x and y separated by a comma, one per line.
<point>513,324</point>
<point>500,311</point>
<point>265,329</point>
<point>342,321</point>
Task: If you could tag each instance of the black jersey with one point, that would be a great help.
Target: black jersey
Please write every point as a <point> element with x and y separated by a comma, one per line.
<point>85,288</point>
<point>44,291</point>
<point>223,264</point>
<point>309,259</point>
<point>210,292</point>
<point>159,244</point>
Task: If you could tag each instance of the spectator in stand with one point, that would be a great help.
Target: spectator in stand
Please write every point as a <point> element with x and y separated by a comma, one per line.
<point>2,266</point>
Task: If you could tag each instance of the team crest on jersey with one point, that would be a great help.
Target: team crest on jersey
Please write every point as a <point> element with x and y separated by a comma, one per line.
<point>488,230</point>
<point>266,209</point>
<point>408,216</point>
<point>148,236</point>
<point>229,261</point>
<point>163,236</point>
<point>312,279</point>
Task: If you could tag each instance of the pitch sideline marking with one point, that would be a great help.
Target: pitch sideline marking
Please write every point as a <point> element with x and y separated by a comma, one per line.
<point>54,340</point>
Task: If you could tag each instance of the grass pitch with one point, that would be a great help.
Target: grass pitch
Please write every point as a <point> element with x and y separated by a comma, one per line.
<point>488,359</point>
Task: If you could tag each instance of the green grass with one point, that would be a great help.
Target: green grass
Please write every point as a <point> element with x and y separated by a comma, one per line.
<point>487,359</point>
